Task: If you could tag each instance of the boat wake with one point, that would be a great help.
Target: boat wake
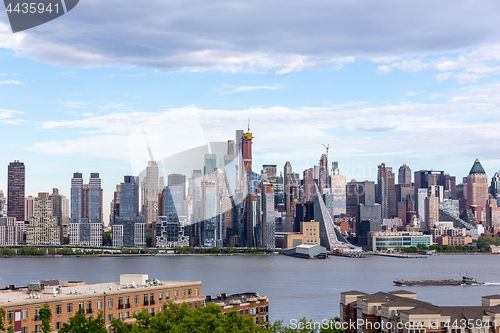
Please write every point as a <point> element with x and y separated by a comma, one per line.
<point>492,283</point>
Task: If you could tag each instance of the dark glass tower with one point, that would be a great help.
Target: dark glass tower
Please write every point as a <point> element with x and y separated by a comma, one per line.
<point>15,190</point>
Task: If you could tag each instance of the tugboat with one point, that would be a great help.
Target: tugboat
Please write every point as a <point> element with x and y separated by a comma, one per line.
<point>468,280</point>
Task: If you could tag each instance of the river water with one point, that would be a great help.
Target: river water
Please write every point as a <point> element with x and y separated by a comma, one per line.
<point>295,287</point>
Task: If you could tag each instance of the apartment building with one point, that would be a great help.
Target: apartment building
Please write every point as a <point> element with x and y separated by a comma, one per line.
<point>401,312</point>
<point>122,299</point>
<point>246,304</point>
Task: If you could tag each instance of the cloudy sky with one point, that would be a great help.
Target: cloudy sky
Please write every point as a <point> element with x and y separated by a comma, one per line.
<point>413,82</point>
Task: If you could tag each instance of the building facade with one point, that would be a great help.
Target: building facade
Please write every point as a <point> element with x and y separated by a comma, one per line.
<point>15,190</point>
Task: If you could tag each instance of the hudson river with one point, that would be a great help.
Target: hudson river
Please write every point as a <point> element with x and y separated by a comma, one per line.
<point>296,288</point>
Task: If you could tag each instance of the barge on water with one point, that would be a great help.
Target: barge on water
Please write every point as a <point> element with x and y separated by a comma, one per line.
<point>465,281</point>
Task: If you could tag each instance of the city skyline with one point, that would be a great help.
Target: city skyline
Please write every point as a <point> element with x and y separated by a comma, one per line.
<point>373,88</point>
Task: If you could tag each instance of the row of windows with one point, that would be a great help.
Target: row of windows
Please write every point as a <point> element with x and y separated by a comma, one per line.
<point>253,311</point>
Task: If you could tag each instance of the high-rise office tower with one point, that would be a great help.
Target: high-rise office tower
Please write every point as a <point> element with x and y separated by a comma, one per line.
<point>43,228</point>
<point>76,197</point>
<point>209,201</point>
<point>477,190</point>
<point>308,183</point>
<point>451,186</point>
<point>422,180</point>
<point>269,170</point>
<point>268,221</point>
<point>29,207</point>
<point>386,191</point>
<point>247,151</point>
<point>115,205</point>
<point>210,163</point>
<point>151,192</point>
<point>359,193</point>
<point>65,213</point>
<point>323,172</point>
<point>431,203</point>
<point>15,190</point>
<point>56,200</point>
<point>86,211</point>
<point>404,176</point>
<point>338,192</point>
<point>495,187</point>
<point>287,182</point>
<point>129,229</point>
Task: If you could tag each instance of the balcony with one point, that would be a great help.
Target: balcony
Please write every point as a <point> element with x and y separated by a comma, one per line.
<point>127,305</point>
<point>120,306</point>
<point>152,302</point>
<point>89,311</point>
<point>37,317</point>
<point>146,303</point>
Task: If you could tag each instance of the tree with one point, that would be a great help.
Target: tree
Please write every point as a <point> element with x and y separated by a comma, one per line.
<point>46,316</point>
<point>149,237</point>
<point>8,251</point>
<point>106,238</point>
<point>80,324</point>
<point>2,316</point>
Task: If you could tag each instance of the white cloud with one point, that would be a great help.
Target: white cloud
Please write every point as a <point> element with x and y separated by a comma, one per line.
<point>443,76</point>
<point>412,93</point>
<point>356,129</point>
<point>256,36</point>
<point>10,82</point>
<point>384,69</point>
<point>463,78</point>
<point>250,88</point>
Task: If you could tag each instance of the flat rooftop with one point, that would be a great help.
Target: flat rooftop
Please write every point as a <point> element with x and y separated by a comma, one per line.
<point>86,289</point>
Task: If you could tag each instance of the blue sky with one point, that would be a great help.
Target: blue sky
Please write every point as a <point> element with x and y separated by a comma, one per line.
<point>410,82</point>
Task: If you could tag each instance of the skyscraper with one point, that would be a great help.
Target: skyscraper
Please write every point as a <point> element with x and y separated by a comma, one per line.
<point>404,175</point>
<point>15,190</point>
<point>477,190</point>
<point>338,191</point>
<point>129,229</point>
<point>86,211</point>
<point>151,192</point>
<point>386,191</point>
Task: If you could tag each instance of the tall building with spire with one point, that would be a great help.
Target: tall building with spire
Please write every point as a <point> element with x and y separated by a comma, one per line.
<point>477,190</point>
<point>15,190</point>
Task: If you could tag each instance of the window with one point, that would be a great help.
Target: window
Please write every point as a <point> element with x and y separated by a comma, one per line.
<point>80,305</point>
<point>136,299</point>
<point>189,292</point>
<point>24,313</point>
<point>176,293</point>
<point>37,314</point>
<point>127,315</point>
<point>196,292</point>
<point>146,299</point>
<point>58,325</point>
<point>160,296</point>
<point>167,295</point>
<point>58,309</point>
<point>152,299</point>
<point>110,317</point>
<point>110,303</point>
<point>99,303</point>
<point>37,328</point>
<point>10,315</point>
<point>69,307</point>
<point>152,311</point>
<point>127,302</point>
<point>246,312</point>
<point>24,329</point>
<point>253,311</point>
<point>120,303</point>
<point>184,292</point>
<point>120,315</point>
<point>89,306</point>
<point>136,312</point>
<point>160,309</point>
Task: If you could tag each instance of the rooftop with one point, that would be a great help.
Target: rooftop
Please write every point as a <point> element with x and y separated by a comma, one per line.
<point>477,168</point>
<point>73,289</point>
